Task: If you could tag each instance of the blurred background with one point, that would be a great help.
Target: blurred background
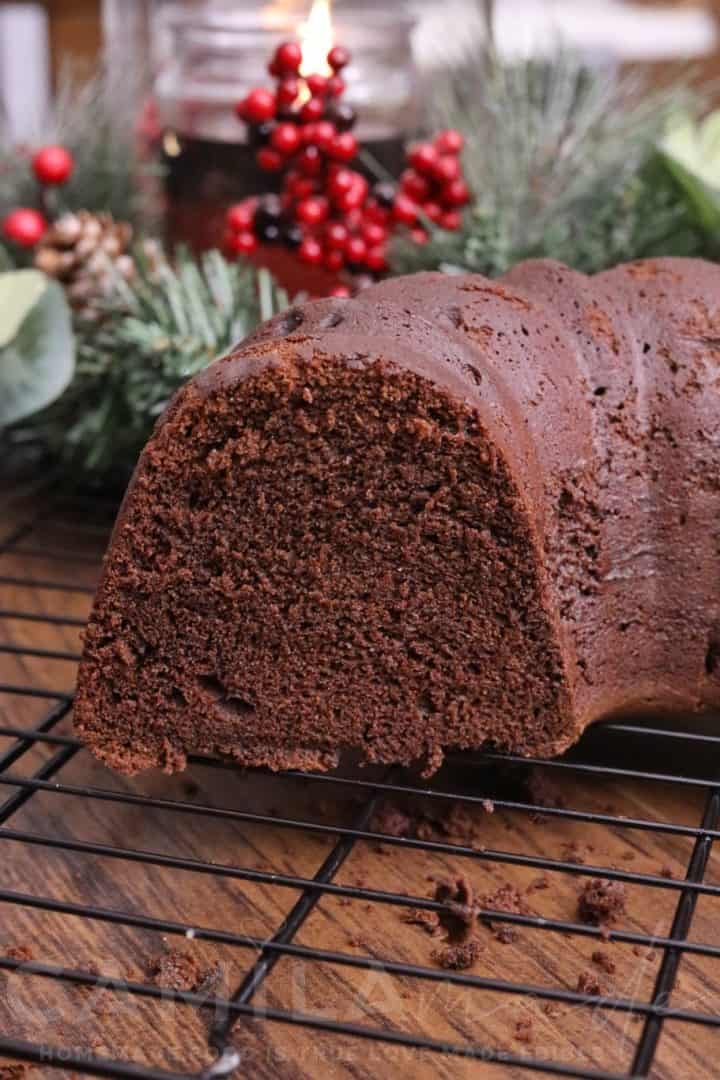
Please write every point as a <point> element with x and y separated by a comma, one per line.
<point>39,37</point>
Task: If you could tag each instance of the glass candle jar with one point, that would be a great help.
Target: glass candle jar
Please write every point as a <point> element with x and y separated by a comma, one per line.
<point>216,56</point>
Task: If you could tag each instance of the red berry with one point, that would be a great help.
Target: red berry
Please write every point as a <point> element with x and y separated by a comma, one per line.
<point>449,142</point>
<point>243,243</point>
<point>456,193</point>
<point>335,86</point>
<point>447,169</point>
<point>299,187</point>
<point>288,57</point>
<point>376,213</point>
<point>258,106</point>
<point>338,57</point>
<point>451,220</point>
<point>376,258</point>
<point>53,165</point>
<point>310,251</point>
<point>286,138</point>
<point>433,211</point>
<point>312,211</point>
<point>405,210</point>
<point>240,216</point>
<point>334,260</point>
<point>423,158</point>
<point>341,292</point>
<point>336,235</point>
<point>415,185</point>
<point>341,181</point>
<point>269,159</point>
<point>324,134</point>
<point>344,147</point>
<point>288,91</point>
<point>419,236</point>
<point>310,161</point>
<point>24,226</point>
<point>355,197</point>
<point>373,233</point>
<point>356,249</point>
<point>317,84</point>
<point>312,110</point>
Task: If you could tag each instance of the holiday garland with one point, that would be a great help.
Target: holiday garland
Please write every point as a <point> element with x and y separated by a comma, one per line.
<point>553,159</point>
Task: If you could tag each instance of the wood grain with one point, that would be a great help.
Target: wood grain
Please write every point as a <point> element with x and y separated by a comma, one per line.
<point>174,1036</point>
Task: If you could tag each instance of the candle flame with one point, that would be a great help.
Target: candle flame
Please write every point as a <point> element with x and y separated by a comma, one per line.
<point>316,39</point>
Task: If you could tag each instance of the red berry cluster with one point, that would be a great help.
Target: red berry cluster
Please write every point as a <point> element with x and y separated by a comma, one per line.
<point>432,187</point>
<point>304,129</point>
<point>52,165</point>
<point>326,209</point>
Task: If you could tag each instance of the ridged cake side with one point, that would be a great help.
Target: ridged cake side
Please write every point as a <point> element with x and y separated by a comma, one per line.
<point>415,521</point>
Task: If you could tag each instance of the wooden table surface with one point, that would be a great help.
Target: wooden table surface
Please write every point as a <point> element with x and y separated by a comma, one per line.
<point>64,547</point>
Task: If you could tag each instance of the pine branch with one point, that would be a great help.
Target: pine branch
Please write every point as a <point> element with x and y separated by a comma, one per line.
<point>562,160</point>
<point>157,331</point>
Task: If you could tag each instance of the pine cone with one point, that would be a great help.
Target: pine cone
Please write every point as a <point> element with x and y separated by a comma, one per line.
<point>87,253</point>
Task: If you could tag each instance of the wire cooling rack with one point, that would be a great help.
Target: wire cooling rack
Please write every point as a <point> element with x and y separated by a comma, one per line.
<point>605,758</point>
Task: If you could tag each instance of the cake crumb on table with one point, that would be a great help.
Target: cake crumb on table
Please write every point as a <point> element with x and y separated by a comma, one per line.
<point>428,920</point>
<point>460,956</point>
<point>601,901</point>
<point>523,1031</point>
<point>604,961</point>
<point>589,983</point>
<point>460,912</point>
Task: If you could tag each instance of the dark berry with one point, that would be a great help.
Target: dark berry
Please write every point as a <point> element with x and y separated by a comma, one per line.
<point>259,134</point>
<point>449,142</point>
<point>269,234</point>
<point>268,211</point>
<point>317,85</point>
<point>286,138</point>
<point>288,57</point>
<point>292,235</point>
<point>338,57</point>
<point>342,115</point>
<point>259,105</point>
<point>384,193</point>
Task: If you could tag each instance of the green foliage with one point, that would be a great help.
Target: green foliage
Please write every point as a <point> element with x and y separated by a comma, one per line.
<point>156,332</point>
<point>37,349</point>
<point>563,162</point>
<point>691,152</point>
<point>95,120</point>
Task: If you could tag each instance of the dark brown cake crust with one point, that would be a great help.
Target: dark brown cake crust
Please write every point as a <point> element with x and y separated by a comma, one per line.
<point>449,512</point>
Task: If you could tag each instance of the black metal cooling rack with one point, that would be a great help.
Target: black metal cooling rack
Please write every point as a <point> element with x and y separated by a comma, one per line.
<point>604,755</point>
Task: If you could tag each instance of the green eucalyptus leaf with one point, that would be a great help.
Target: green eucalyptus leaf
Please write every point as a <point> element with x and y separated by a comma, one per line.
<point>19,293</point>
<point>37,346</point>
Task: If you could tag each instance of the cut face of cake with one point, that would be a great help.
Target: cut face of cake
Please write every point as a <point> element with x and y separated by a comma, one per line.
<point>450,512</point>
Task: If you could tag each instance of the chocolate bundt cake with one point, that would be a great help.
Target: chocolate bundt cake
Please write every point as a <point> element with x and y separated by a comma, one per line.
<point>451,511</point>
